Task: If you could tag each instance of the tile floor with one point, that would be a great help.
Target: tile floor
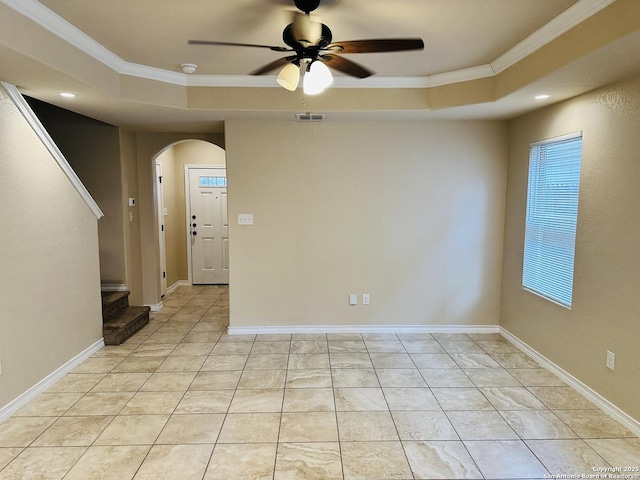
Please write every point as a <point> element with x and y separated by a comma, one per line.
<point>183,400</point>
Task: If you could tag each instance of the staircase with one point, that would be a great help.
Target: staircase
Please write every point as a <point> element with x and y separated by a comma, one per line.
<point>120,320</point>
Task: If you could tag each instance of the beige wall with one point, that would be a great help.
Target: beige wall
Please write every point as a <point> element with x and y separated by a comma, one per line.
<point>412,213</point>
<point>148,147</point>
<point>93,151</point>
<point>409,212</point>
<point>131,216</point>
<point>606,305</point>
<point>50,307</point>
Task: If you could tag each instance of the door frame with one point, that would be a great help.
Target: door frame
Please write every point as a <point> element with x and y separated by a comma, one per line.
<point>187,204</point>
<point>159,204</point>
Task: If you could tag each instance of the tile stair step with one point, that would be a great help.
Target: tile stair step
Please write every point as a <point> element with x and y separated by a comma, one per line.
<point>113,303</point>
<point>131,319</point>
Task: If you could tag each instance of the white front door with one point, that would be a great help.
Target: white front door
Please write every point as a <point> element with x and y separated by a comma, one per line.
<point>208,226</point>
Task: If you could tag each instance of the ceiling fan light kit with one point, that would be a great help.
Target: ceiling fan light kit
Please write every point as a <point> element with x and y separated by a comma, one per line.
<point>311,42</point>
<point>289,76</point>
<point>316,78</point>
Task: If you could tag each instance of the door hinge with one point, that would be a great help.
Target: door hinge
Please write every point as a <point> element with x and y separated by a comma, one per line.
<point>164,274</point>
<point>160,178</point>
<point>162,228</point>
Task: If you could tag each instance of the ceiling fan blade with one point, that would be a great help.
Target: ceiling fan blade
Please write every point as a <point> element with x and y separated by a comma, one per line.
<point>233,44</point>
<point>376,45</point>
<point>346,66</point>
<point>281,62</point>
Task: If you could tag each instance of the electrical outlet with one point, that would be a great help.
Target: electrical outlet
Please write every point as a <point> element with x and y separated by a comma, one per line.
<point>611,360</point>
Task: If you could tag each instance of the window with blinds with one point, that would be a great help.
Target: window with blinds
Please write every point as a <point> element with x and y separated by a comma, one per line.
<point>552,213</point>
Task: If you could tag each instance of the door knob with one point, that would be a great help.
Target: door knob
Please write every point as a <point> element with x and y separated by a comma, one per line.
<point>194,233</point>
<point>193,216</point>
<point>194,225</point>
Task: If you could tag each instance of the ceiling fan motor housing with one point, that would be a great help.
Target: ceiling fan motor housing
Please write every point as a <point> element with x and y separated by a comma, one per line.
<point>307,5</point>
<point>307,44</point>
<point>311,41</point>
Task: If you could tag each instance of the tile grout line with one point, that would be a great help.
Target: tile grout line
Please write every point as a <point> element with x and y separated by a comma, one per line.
<point>331,371</point>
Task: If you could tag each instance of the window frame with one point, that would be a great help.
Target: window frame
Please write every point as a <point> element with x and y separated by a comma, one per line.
<point>551,219</point>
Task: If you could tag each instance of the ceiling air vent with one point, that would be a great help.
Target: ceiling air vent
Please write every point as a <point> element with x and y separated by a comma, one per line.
<point>310,117</point>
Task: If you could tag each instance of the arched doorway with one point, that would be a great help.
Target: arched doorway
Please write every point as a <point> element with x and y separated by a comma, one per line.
<point>172,205</point>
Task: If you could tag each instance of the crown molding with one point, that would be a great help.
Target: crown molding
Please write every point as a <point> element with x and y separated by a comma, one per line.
<point>473,73</point>
<point>195,80</point>
<point>339,81</point>
<point>572,16</point>
<point>49,20</point>
<point>54,23</point>
<point>153,73</point>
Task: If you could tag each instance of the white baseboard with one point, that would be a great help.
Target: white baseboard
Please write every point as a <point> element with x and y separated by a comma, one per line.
<point>48,381</point>
<point>175,286</point>
<point>155,307</point>
<point>113,287</point>
<point>609,408</point>
<point>364,329</point>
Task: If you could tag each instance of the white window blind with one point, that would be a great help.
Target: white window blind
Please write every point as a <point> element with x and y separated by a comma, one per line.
<point>552,212</point>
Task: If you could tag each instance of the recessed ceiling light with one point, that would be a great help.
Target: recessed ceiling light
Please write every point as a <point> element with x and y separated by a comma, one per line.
<point>67,95</point>
<point>541,97</point>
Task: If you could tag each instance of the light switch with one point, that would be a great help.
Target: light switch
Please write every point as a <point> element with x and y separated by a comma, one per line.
<point>353,299</point>
<point>245,219</point>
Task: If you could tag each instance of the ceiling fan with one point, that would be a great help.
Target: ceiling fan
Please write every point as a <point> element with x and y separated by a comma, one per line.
<point>310,43</point>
